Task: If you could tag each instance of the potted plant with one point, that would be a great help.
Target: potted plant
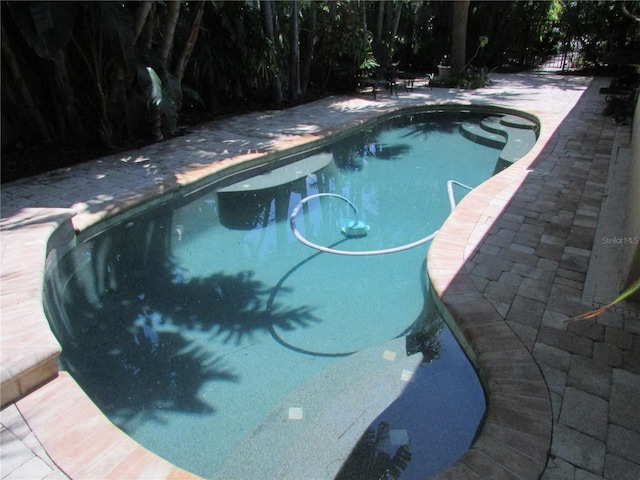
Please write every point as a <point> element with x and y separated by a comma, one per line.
<point>444,67</point>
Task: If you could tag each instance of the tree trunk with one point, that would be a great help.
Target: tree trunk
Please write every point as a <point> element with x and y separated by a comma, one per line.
<point>459,36</point>
<point>71,122</point>
<point>267,20</point>
<point>305,70</point>
<point>191,41</point>
<point>148,32</point>
<point>141,18</point>
<point>380,23</point>
<point>30,109</point>
<point>365,28</point>
<point>394,27</point>
<point>388,15</point>
<point>294,67</point>
<point>169,31</point>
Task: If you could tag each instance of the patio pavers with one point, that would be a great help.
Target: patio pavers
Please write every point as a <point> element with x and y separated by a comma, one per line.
<point>531,264</point>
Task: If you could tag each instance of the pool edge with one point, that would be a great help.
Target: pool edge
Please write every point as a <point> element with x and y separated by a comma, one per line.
<point>516,433</point>
<point>511,441</point>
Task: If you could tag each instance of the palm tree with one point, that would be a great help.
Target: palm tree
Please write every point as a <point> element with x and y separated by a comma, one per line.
<point>459,36</point>
<point>267,19</point>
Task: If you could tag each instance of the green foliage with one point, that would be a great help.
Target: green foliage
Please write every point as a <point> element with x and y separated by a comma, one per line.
<point>161,97</point>
<point>78,63</point>
<point>233,60</point>
<point>344,44</point>
<point>599,28</point>
<point>369,63</point>
<point>629,291</point>
<point>151,85</point>
<point>473,78</point>
<point>46,26</point>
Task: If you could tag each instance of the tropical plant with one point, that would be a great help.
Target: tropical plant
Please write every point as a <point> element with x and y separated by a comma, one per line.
<point>80,74</point>
<point>601,28</point>
<point>344,45</point>
<point>628,292</point>
<point>47,30</point>
<point>473,78</point>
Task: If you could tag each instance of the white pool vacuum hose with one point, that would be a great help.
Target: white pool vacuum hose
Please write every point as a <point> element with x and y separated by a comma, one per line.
<point>357,228</point>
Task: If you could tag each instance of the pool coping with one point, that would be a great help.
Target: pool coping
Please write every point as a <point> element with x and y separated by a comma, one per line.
<point>502,448</point>
<point>515,439</point>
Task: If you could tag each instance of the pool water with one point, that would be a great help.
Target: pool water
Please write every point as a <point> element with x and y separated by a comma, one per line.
<point>189,324</point>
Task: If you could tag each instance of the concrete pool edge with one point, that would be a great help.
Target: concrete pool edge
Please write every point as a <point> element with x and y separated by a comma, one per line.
<point>22,402</point>
<point>66,423</point>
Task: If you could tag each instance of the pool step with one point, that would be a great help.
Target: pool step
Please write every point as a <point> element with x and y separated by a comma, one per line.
<point>482,134</point>
<point>515,135</point>
<point>518,122</point>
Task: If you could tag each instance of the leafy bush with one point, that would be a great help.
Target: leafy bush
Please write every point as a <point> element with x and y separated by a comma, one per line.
<point>473,78</point>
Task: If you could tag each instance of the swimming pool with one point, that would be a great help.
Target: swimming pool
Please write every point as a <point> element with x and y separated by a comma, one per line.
<point>191,324</point>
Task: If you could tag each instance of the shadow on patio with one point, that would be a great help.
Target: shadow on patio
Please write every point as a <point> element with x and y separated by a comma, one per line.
<point>509,266</point>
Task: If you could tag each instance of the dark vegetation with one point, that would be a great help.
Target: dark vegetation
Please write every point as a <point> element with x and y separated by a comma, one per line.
<point>84,79</point>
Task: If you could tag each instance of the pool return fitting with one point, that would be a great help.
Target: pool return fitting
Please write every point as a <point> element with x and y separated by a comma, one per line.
<point>356,228</point>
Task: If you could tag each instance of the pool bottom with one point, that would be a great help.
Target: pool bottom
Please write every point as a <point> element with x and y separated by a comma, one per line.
<point>380,408</point>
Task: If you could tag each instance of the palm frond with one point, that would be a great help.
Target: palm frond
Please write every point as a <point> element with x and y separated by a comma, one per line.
<point>154,88</point>
<point>594,313</point>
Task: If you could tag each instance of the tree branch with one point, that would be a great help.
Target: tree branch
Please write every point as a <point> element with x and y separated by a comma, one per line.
<point>627,13</point>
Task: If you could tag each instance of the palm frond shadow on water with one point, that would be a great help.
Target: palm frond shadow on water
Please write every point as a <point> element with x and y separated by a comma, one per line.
<point>350,154</point>
<point>412,438</point>
<point>136,335</point>
<point>372,459</point>
<point>384,450</point>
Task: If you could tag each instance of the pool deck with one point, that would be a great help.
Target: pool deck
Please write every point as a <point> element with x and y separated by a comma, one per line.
<point>512,263</point>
